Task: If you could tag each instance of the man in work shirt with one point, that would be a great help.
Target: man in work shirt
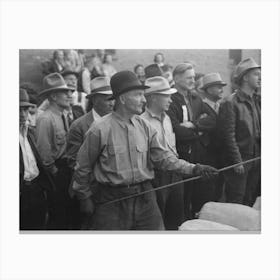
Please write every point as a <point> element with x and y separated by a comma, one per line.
<point>51,130</point>
<point>170,200</point>
<point>121,150</point>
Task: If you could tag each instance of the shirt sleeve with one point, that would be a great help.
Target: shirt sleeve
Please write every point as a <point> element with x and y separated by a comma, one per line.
<point>86,159</point>
<point>164,159</point>
<point>44,134</point>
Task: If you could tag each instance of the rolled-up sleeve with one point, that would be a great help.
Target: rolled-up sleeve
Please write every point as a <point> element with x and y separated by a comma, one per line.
<point>86,159</point>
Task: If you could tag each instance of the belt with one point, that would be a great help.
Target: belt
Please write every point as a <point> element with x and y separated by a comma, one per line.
<point>124,186</point>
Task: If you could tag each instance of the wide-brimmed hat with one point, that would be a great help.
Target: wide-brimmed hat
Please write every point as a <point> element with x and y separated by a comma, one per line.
<point>54,82</point>
<point>124,81</point>
<point>24,99</point>
<point>243,67</point>
<point>66,72</point>
<point>152,70</point>
<point>158,85</point>
<point>212,79</point>
<point>100,85</point>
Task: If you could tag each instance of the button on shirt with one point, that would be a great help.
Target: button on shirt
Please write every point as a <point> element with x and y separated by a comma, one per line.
<point>51,137</point>
<point>164,129</point>
<point>31,170</point>
<point>118,152</point>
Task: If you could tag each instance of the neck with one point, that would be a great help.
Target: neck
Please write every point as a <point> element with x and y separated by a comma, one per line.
<point>97,111</point>
<point>155,110</point>
<point>124,113</point>
<point>247,89</point>
<point>59,108</point>
<point>184,92</point>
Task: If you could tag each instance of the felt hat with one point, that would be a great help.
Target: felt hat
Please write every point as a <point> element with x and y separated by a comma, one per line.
<point>158,85</point>
<point>152,70</point>
<point>24,98</point>
<point>100,85</point>
<point>243,67</point>
<point>212,79</point>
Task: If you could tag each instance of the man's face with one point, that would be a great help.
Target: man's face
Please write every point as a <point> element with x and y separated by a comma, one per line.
<point>215,92</point>
<point>23,115</point>
<point>102,104</point>
<point>253,78</point>
<point>60,55</point>
<point>159,58</point>
<point>162,101</point>
<point>134,101</point>
<point>63,99</point>
<point>71,81</point>
<point>140,71</point>
<point>185,80</point>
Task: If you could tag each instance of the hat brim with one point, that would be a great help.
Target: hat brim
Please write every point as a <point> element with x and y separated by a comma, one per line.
<point>237,78</point>
<point>213,84</point>
<point>105,92</point>
<point>128,89</point>
<point>51,90</point>
<point>26,104</point>
<point>163,92</point>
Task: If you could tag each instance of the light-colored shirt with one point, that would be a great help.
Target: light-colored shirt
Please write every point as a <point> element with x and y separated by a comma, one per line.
<point>118,152</point>
<point>83,100</point>
<point>163,126</point>
<point>86,81</point>
<point>51,137</point>
<point>95,115</point>
<point>31,170</point>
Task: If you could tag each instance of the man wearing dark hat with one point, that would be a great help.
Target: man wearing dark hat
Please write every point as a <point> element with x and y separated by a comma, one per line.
<point>240,130</point>
<point>51,130</point>
<point>120,151</point>
<point>34,179</point>
<point>190,119</point>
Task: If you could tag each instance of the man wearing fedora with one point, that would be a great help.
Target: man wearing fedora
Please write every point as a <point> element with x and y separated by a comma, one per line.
<point>170,200</point>
<point>35,182</point>
<point>211,91</point>
<point>121,150</point>
<point>191,119</point>
<point>240,130</point>
<point>51,130</point>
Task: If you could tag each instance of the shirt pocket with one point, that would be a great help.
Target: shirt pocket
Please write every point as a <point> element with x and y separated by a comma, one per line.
<point>117,158</point>
<point>142,156</point>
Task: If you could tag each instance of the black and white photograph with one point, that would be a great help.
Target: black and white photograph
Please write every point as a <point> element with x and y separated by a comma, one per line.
<point>123,139</point>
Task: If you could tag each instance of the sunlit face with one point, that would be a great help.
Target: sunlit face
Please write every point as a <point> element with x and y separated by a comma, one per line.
<point>134,101</point>
<point>140,71</point>
<point>185,81</point>
<point>102,104</point>
<point>159,58</point>
<point>162,101</point>
<point>63,99</point>
<point>215,92</point>
<point>253,78</point>
<point>23,115</point>
<point>71,81</point>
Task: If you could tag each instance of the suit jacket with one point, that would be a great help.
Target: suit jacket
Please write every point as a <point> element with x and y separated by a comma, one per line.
<point>45,177</point>
<point>76,136</point>
<point>186,138</point>
<point>239,127</point>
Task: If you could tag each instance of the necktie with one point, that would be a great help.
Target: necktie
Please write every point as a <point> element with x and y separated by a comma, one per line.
<point>64,122</point>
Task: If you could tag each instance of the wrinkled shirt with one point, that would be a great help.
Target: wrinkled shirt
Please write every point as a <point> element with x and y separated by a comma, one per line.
<point>164,129</point>
<point>51,137</point>
<point>118,152</point>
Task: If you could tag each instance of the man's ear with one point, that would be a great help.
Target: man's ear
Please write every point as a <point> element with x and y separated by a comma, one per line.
<point>122,98</point>
<point>53,96</point>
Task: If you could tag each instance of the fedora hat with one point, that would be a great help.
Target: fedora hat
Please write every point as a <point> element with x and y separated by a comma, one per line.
<point>24,99</point>
<point>212,79</point>
<point>66,72</point>
<point>100,85</point>
<point>152,70</point>
<point>124,81</point>
<point>244,66</point>
<point>54,82</point>
<point>158,85</point>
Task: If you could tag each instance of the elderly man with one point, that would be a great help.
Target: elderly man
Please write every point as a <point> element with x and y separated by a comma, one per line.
<point>170,200</point>
<point>121,150</point>
<point>240,130</point>
<point>35,181</point>
<point>190,119</point>
<point>51,130</point>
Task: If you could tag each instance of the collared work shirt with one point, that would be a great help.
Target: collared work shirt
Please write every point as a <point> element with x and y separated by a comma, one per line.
<point>51,137</point>
<point>214,105</point>
<point>95,115</point>
<point>31,170</point>
<point>118,152</point>
<point>164,129</point>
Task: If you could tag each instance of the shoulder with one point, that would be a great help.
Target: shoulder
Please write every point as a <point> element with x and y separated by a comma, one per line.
<point>102,124</point>
<point>45,117</point>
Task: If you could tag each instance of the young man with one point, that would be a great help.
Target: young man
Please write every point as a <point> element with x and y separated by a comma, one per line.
<point>35,182</point>
<point>120,151</point>
<point>170,200</point>
<point>240,130</point>
<point>51,130</point>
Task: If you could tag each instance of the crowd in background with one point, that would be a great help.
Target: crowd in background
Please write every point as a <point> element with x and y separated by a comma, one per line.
<point>77,147</point>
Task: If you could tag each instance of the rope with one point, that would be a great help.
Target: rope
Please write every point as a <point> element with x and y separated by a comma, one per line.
<point>179,182</point>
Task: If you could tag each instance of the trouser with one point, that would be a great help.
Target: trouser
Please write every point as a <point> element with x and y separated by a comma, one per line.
<point>33,206</point>
<point>170,200</point>
<point>242,188</point>
<point>138,213</point>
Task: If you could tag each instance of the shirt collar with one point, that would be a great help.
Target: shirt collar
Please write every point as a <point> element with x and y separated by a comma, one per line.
<point>55,110</point>
<point>153,115</point>
<point>122,121</point>
<point>211,103</point>
<point>95,115</point>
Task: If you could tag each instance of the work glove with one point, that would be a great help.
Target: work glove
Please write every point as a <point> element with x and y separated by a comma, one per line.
<point>206,171</point>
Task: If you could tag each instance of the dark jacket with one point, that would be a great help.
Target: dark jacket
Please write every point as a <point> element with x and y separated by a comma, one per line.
<point>191,139</point>
<point>239,127</point>
<point>46,179</point>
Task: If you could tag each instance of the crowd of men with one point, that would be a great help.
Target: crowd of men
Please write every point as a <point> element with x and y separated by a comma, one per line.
<point>125,133</point>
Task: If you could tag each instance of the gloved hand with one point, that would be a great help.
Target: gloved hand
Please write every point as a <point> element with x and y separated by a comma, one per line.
<point>87,206</point>
<point>206,171</point>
